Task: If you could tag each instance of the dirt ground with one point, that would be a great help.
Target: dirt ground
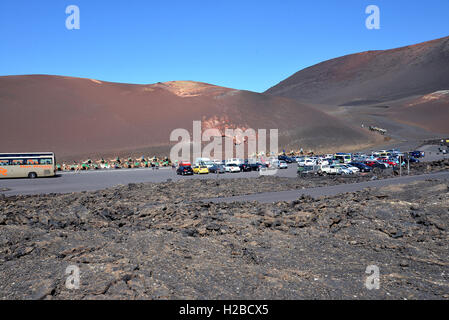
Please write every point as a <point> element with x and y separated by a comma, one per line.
<point>159,241</point>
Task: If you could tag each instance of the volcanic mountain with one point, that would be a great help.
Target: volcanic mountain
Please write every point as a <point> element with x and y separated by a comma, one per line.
<point>372,76</point>
<point>384,83</point>
<point>83,117</point>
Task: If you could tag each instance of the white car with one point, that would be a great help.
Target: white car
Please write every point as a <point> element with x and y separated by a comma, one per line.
<point>280,164</point>
<point>331,169</point>
<point>308,162</point>
<point>352,168</point>
<point>346,171</point>
<point>232,167</point>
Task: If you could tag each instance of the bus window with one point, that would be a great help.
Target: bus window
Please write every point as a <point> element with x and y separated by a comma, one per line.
<point>17,162</point>
<point>32,161</point>
<point>4,162</point>
<point>46,161</point>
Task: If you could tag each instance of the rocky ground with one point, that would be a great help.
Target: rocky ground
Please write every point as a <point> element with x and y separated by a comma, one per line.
<point>159,241</point>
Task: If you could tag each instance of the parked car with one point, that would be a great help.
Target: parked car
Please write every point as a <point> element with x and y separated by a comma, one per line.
<point>286,159</point>
<point>303,170</point>
<point>331,169</point>
<point>245,167</point>
<point>417,154</point>
<point>232,167</point>
<point>236,161</point>
<point>390,163</point>
<point>279,164</point>
<point>257,166</point>
<point>282,164</point>
<point>308,162</point>
<point>217,168</point>
<point>345,170</point>
<point>360,159</point>
<point>204,162</point>
<point>362,167</point>
<point>413,160</point>
<point>376,164</point>
<point>352,169</point>
<point>200,169</point>
<point>184,170</point>
<point>324,162</point>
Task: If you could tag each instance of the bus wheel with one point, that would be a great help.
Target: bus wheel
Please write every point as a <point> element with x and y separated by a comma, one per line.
<point>32,175</point>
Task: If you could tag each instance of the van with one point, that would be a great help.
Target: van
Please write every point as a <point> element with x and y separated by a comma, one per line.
<point>203,162</point>
<point>235,160</point>
<point>303,170</point>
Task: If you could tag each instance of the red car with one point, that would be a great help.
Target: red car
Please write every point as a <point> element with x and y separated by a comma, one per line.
<point>387,161</point>
<point>391,163</point>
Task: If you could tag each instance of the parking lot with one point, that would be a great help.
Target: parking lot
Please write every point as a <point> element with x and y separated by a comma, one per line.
<point>91,180</point>
<point>67,182</point>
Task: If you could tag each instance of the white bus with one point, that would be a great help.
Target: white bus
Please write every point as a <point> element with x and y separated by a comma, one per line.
<point>343,157</point>
<point>204,162</point>
<point>27,165</point>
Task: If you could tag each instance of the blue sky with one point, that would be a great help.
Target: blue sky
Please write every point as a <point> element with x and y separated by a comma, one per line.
<point>242,44</point>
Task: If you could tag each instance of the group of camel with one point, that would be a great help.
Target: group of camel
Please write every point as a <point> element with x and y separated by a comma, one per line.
<point>130,162</point>
<point>116,163</point>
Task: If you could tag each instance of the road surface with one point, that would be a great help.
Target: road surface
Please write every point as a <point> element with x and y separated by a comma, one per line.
<point>68,182</point>
<point>291,195</point>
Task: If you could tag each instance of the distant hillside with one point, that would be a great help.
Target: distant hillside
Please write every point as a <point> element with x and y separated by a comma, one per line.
<point>77,117</point>
<point>430,111</point>
<point>372,77</point>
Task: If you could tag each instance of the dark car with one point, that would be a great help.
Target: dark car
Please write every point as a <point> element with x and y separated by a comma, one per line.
<point>217,168</point>
<point>363,167</point>
<point>286,159</point>
<point>257,166</point>
<point>413,160</point>
<point>245,167</point>
<point>375,164</point>
<point>417,154</point>
<point>184,170</point>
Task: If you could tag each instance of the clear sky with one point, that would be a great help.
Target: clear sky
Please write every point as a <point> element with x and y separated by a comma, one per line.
<point>243,44</point>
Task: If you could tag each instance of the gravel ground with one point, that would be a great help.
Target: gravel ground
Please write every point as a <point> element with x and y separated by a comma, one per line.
<point>159,241</point>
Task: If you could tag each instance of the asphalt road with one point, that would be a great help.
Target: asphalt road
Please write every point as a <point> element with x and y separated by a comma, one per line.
<point>68,182</point>
<point>291,195</point>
